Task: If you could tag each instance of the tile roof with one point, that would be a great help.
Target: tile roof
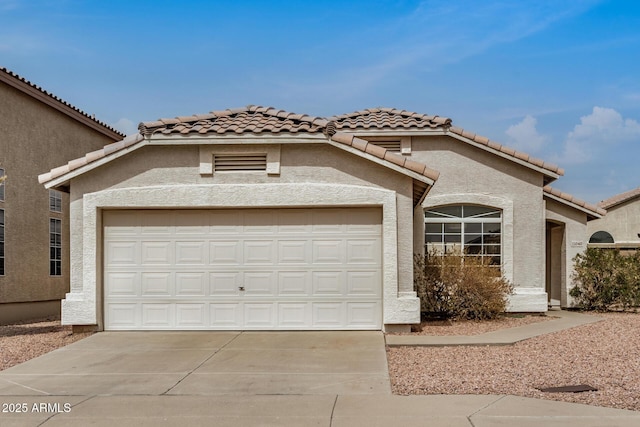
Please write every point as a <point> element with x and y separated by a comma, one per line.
<point>619,198</point>
<point>506,150</point>
<point>388,118</point>
<point>248,120</point>
<point>395,119</point>
<point>252,119</point>
<point>50,99</point>
<point>599,211</point>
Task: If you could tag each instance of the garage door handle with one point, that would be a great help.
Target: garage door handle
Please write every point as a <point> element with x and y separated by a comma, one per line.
<point>241,288</point>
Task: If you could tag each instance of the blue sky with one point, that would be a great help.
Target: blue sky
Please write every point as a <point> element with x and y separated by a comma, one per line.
<point>557,79</point>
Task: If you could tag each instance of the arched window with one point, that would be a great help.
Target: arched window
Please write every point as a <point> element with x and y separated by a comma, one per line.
<point>601,237</point>
<point>470,229</point>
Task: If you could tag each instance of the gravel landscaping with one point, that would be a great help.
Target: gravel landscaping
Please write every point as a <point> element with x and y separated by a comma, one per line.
<point>450,327</point>
<point>24,341</point>
<point>604,355</point>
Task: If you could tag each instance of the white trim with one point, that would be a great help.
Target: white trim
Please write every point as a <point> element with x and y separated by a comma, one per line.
<point>83,307</point>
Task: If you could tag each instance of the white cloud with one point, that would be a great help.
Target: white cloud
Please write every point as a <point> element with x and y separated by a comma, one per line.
<point>126,126</point>
<point>524,135</point>
<point>598,133</point>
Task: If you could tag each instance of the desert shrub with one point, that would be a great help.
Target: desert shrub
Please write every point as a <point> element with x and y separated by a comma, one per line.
<point>455,286</point>
<point>605,279</point>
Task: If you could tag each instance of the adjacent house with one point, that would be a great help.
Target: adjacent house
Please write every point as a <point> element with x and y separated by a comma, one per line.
<point>620,228</point>
<point>39,132</point>
<point>258,218</point>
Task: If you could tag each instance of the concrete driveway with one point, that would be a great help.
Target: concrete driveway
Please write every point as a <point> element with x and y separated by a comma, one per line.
<point>207,363</point>
<point>331,379</point>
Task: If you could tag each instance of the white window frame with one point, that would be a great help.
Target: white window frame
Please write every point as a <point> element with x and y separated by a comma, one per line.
<point>462,220</point>
<point>55,201</point>
<point>55,263</point>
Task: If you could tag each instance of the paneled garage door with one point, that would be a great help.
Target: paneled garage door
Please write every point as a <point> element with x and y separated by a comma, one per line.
<point>243,269</point>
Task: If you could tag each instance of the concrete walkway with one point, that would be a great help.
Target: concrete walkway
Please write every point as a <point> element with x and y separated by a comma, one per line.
<point>256,379</point>
<point>563,320</point>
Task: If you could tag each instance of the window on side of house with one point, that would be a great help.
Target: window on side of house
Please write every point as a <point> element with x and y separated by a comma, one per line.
<point>1,185</point>
<point>1,242</point>
<point>55,247</point>
<point>55,201</point>
<point>468,229</point>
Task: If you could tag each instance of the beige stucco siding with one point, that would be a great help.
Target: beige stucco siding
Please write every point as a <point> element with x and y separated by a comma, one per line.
<point>473,176</point>
<point>621,221</point>
<point>310,174</point>
<point>35,138</point>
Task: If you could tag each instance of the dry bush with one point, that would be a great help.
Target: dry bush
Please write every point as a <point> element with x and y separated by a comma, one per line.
<point>457,286</point>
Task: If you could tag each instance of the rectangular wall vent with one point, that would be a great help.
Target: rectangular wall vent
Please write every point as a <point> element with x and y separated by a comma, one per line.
<point>389,145</point>
<point>239,162</point>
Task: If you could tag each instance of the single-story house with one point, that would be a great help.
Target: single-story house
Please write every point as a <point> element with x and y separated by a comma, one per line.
<point>620,228</point>
<point>39,131</point>
<point>258,218</point>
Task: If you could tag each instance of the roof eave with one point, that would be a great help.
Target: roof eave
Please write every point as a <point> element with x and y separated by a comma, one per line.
<point>63,180</point>
<point>550,175</point>
<point>591,215</point>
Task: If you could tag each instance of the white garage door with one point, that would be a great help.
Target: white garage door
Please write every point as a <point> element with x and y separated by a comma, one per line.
<point>243,269</point>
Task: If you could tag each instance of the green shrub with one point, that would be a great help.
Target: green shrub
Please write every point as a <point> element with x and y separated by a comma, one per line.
<point>604,279</point>
<point>455,286</point>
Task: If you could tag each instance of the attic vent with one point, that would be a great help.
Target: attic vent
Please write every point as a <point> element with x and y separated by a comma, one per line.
<point>239,162</point>
<point>389,145</point>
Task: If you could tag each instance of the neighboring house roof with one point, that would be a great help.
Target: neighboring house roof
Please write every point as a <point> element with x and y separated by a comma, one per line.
<point>36,92</point>
<point>620,198</point>
<point>592,211</point>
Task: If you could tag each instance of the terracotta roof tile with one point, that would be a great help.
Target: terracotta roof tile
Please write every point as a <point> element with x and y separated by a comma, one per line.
<point>569,198</point>
<point>620,198</point>
<point>387,118</point>
<point>24,85</point>
<point>376,150</point>
<point>250,119</point>
<point>360,144</point>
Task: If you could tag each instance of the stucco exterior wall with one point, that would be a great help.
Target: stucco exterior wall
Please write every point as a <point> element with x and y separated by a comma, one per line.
<point>35,138</point>
<point>473,176</point>
<point>621,221</point>
<point>568,239</point>
<point>310,175</point>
